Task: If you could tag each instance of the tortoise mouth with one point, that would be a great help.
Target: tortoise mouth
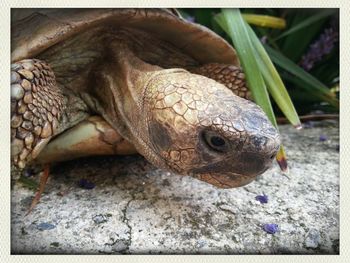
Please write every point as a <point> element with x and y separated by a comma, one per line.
<point>228,180</point>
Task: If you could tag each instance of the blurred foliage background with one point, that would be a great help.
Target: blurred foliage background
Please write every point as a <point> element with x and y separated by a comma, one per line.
<point>302,43</point>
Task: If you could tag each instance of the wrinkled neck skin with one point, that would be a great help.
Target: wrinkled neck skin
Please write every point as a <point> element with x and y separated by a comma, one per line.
<point>120,86</point>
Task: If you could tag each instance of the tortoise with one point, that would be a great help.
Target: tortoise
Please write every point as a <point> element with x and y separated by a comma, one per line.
<point>120,81</point>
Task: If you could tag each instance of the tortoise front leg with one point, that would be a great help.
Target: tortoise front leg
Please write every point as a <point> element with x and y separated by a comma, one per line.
<point>37,105</point>
<point>229,75</point>
<point>39,109</point>
<point>36,109</point>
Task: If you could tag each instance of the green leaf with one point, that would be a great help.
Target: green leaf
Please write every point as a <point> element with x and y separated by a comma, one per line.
<point>203,16</point>
<point>235,26</point>
<point>274,82</point>
<point>28,182</point>
<point>314,84</point>
<point>302,37</point>
<point>265,21</point>
<point>240,37</point>
<point>307,22</point>
<point>268,72</point>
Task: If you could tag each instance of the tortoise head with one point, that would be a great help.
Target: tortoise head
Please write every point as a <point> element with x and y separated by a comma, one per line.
<point>198,127</point>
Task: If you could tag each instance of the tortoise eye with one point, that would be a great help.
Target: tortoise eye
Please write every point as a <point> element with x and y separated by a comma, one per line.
<point>215,142</point>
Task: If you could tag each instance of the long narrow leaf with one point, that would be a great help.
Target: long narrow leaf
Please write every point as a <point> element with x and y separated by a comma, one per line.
<point>302,37</point>
<point>241,40</point>
<point>265,21</point>
<point>274,82</point>
<point>244,48</point>
<point>203,16</point>
<point>293,68</point>
<point>305,90</point>
<point>29,183</point>
<point>307,22</point>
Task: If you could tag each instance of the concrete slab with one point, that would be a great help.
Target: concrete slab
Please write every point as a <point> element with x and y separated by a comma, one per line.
<point>139,209</point>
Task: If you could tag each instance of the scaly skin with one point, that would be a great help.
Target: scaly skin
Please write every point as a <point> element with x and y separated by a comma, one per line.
<point>188,110</point>
<point>229,75</point>
<point>36,108</point>
<point>40,109</point>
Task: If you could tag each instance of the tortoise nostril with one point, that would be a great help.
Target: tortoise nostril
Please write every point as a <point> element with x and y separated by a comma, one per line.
<point>273,156</point>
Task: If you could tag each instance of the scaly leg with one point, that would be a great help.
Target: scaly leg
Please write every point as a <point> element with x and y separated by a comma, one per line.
<point>39,111</point>
<point>229,75</point>
<point>36,109</point>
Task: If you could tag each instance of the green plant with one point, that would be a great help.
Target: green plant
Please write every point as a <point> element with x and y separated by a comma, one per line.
<point>290,50</point>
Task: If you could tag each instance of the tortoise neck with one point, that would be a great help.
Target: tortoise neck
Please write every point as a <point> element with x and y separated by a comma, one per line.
<point>119,84</point>
<point>128,66</point>
<point>120,87</point>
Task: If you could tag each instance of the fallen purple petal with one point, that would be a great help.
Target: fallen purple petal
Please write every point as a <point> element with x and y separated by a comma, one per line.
<point>323,138</point>
<point>270,228</point>
<point>83,183</point>
<point>263,199</point>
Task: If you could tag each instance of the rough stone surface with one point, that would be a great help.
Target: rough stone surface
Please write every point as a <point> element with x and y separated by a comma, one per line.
<point>136,208</point>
